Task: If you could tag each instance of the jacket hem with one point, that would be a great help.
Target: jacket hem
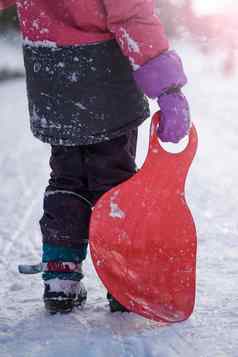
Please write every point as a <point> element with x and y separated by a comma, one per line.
<point>77,139</point>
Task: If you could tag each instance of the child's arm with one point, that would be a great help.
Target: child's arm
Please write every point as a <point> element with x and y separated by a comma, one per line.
<point>136,28</point>
<point>158,71</point>
<point>4,4</point>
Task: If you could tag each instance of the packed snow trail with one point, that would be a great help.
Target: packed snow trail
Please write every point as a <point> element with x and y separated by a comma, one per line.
<point>212,331</point>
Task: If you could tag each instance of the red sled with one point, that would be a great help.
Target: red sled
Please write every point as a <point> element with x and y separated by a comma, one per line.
<point>143,237</point>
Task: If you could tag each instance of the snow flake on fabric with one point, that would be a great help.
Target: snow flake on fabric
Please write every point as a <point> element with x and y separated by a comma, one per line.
<point>132,45</point>
<point>133,64</point>
<point>43,43</point>
<point>73,92</point>
<point>73,77</point>
<point>40,120</point>
<point>66,286</point>
<point>81,106</point>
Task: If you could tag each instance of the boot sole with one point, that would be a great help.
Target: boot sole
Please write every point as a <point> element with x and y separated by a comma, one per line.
<point>65,306</point>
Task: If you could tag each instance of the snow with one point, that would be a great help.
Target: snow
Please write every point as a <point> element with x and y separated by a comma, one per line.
<point>212,331</point>
<point>58,285</point>
<point>43,43</point>
<point>115,211</point>
<point>133,47</point>
<point>10,47</point>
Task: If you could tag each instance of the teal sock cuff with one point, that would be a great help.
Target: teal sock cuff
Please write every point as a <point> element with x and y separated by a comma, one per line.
<point>63,254</point>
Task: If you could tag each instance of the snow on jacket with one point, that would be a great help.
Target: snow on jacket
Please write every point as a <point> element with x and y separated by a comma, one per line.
<point>132,22</point>
<point>55,35</point>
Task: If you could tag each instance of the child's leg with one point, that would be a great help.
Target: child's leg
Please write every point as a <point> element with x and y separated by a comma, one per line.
<point>67,206</point>
<point>64,227</point>
<point>110,163</point>
<point>80,175</point>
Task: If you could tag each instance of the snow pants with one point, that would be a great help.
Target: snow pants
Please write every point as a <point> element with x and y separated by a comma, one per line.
<point>80,175</point>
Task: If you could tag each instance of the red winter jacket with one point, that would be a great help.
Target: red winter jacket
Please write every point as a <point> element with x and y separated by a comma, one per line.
<point>133,23</point>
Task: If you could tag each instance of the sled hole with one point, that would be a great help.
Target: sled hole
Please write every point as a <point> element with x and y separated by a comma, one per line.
<point>175,148</point>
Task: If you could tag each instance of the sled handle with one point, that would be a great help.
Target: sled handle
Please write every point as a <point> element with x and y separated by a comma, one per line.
<point>187,154</point>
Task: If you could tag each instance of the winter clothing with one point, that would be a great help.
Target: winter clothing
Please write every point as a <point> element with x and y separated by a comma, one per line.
<point>163,77</point>
<point>54,256</point>
<point>114,305</point>
<point>63,295</point>
<point>132,23</point>
<point>160,75</point>
<point>76,93</point>
<point>75,102</point>
<point>80,175</point>
<point>4,4</point>
<point>136,28</point>
<point>141,37</point>
<point>175,117</point>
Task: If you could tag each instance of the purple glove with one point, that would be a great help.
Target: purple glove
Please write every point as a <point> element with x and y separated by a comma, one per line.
<point>163,77</point>
<point>175,117</point>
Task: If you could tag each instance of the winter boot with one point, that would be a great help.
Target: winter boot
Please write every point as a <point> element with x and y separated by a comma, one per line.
<point>63,287</point>
<point>114,305</point>
<point>63,295</point>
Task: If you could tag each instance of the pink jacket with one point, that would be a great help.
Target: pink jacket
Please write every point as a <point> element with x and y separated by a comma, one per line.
<point>133,23</point>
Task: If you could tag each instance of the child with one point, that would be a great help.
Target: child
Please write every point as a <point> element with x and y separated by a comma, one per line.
<point>88,65</point>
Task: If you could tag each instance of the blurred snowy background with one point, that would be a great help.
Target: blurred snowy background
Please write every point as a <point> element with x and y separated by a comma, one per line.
<point>205,34</point>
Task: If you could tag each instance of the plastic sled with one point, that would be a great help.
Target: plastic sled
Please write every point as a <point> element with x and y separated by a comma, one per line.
<point>143,237</point>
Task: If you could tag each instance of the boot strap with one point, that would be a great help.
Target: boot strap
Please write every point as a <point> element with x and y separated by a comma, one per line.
<point>62,267</point>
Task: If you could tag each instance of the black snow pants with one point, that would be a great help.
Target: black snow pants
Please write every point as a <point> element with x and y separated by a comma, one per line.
<point>80,175</point>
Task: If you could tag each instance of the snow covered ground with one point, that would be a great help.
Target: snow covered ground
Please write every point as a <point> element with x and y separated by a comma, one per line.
<point>212,331</point>
<point>10,55</point>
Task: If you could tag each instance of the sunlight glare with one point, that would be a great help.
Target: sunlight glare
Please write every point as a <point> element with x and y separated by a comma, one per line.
<point>213,6</point>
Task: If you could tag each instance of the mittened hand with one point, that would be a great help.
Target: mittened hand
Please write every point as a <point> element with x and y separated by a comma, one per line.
<point>174,117</point>
<point>162,78</point>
